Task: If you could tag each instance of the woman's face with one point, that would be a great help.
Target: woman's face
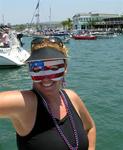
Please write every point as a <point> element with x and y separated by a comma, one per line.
<point>47,75</point>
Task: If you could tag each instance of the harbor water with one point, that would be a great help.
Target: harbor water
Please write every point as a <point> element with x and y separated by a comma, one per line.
<point>95,72</point>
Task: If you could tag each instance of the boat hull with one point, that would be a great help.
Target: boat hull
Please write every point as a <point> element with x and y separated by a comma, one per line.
<point>13,58</point>
<point>84,37</point>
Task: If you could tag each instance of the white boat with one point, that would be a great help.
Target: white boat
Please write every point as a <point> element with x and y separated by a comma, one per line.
<point>104,34</point>
<point>66,40</point>
<point>14,55</point>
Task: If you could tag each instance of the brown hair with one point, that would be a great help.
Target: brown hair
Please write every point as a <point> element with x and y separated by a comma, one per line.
<point>46,43</point>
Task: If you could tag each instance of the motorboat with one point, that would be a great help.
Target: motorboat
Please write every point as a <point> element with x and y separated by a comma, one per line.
<point>104,34</point>
<point>14,55</point>
<point>84,37</point>
<point>66,40</point>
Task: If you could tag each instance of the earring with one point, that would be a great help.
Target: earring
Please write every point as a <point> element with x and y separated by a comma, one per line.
<point>64,83</point>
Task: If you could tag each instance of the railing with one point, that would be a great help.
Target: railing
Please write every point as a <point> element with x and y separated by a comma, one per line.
<point>5,50</point>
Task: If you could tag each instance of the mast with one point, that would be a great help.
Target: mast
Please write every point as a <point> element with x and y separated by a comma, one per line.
<point>50,17</point>
<point>37,15</point>
<point>3,20</point>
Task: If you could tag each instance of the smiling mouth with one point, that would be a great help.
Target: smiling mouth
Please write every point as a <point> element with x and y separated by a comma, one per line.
<point>47,84</point>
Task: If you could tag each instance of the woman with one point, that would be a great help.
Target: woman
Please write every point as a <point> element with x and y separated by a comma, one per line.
<point>48,116</point>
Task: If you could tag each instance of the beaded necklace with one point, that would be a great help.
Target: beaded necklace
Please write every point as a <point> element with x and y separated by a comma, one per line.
<point>58,127</point>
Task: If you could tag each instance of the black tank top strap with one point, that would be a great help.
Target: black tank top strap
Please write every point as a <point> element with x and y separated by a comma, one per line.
<point>69,102</point>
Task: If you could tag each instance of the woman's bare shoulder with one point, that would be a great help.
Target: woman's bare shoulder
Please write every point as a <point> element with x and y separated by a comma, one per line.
<point>14,101</point>
<point>16,94</point>
<point>80,108</point>
<point>72,95</point>
<point>76,100</point>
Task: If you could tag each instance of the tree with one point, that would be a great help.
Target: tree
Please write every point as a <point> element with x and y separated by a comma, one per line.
<point>67,24</point>
<point>64,24</point>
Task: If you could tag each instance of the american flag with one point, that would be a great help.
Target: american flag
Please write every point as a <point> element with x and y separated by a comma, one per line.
<point>53,70</point>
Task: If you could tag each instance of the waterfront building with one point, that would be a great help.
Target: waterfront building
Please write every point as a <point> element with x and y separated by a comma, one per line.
<point>96,20</point>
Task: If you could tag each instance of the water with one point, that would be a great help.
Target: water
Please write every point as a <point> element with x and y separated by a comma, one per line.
<point>95,72</point>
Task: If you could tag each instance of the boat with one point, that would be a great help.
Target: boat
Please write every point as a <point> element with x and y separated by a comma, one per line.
<point>84,37</point>
<point>104,34</point>
<point>14,54</point>
<point>66,40</point>
<point>59,33</point>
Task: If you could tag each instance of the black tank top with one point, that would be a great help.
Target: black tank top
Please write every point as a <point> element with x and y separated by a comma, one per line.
<point>44,135</point>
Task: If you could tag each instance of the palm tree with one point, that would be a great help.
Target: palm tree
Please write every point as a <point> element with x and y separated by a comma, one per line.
<point>67,24</point>
<point>64,24</point>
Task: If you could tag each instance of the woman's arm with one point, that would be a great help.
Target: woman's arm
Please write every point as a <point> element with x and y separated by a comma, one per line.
<point>10,103</point>
<point>88,124</point>
<point>15,103</point>
<point>92,137</point>
<point>86,118</point>
<point>18,106</point>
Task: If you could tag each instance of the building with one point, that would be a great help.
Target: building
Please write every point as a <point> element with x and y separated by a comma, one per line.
<point>96,20</point>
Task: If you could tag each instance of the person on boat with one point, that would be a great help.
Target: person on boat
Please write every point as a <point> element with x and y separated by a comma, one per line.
<point>19,37</point>
<point>5,38</point>
<point>48,116</point>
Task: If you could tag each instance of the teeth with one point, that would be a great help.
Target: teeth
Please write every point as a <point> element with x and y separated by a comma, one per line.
<point>46,85</point>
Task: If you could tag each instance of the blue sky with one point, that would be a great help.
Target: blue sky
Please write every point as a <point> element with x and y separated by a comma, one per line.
<point>21,11</point>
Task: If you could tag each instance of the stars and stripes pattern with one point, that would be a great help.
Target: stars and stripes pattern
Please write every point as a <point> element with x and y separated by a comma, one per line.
<point>53,69</point>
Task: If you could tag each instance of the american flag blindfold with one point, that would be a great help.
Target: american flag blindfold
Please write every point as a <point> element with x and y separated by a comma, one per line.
<point>53,70</point>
